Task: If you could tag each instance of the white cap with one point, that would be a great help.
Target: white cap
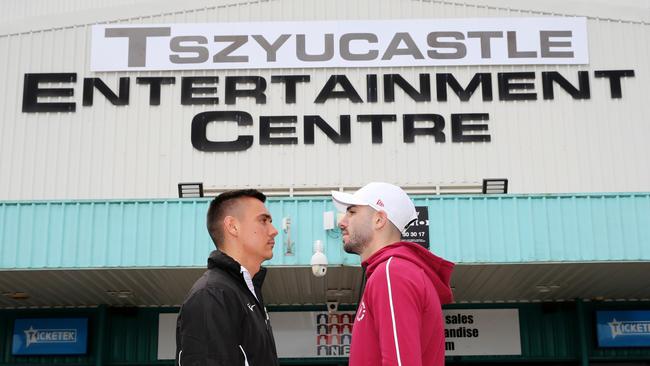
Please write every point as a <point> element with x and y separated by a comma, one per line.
<point>389,198</point>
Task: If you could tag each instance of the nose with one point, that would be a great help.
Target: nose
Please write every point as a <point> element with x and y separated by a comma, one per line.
<point>344,222</point>
<point>274,231</point>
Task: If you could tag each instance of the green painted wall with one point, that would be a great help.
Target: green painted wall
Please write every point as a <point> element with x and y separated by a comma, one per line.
<point>549,334</point>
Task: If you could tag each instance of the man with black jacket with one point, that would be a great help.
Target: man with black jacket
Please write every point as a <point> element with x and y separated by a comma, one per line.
<point>223,321</point>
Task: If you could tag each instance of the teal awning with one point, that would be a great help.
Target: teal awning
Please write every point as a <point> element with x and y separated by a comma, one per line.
<point>463,229</point>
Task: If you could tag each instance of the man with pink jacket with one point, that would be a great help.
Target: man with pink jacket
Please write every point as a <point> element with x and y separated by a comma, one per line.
<point>399,320</point>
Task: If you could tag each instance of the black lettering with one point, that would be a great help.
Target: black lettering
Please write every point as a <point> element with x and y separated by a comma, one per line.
<point>614,77</point>
<point>348,91</point>
<point>390,80</point>
<point>464,94</point>
<point>199,135</point>
<point>461,332</point>
<point>376,121</point>
<point>458,128</point>
<point>410,131</point>
<point>154,86</point>
<point>371,88</point>
<point>257,92</point>
<point>188,90</point>
<point>266,130</point>
<point>31,92</point>
<point>91,83</point>
<point>339,138</point>
<point>506,86</point>
<point>549,77</point>
<point>290,82</point>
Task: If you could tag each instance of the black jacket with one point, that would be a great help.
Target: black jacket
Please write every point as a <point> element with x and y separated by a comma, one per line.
<point>221,323</point>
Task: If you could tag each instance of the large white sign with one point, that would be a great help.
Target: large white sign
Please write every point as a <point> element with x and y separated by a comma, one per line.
<point>482,332</point>
<point>167,336</point>
<point>478,332</point>
<point>380,43</point>
<point>468,333</point>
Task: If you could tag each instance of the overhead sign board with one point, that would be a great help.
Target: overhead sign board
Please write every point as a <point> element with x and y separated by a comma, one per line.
<point>319,44</point>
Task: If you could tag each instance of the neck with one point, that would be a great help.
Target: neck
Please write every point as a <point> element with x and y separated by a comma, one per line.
<point>252,265</point>
<point>378,243</point>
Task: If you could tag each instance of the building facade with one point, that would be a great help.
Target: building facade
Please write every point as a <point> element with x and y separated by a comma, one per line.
<point>519,129</point>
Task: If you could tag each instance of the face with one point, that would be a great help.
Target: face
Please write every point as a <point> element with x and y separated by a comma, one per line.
<point>257,231</point>
<point>357,229</point>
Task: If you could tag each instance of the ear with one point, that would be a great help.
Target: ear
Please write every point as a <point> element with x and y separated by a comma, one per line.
<point>231,225</point>
<point>380,219</point>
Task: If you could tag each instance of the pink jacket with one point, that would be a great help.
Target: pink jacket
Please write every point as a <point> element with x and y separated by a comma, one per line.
<point>399,320</point>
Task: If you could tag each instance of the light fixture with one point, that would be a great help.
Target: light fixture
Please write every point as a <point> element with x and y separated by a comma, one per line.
<point>18,295</point>
<point>495,186</point>
<point>189,190</point>
<point>339,293</point>
<point>542,289</point>
<point>120,294</point>
<point>318,260</point>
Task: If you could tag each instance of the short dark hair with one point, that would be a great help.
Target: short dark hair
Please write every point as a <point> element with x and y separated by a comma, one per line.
<point>221,206</point>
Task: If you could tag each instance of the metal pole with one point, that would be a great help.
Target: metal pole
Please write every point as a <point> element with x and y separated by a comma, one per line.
<point>100,333</point>
<point>582,333</point>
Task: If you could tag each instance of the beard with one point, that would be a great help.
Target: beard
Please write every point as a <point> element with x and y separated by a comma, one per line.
<point>358,241</point>
<point>352,248</point>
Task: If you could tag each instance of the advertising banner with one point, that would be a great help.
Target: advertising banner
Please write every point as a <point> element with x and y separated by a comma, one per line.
<point>623,328</point>
<point>50,336</point>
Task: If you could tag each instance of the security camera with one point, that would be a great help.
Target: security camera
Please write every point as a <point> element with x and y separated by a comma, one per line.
<point>319,264</point>
<point>319,270</point>
<point>318,260</point>
<point>332,306</point>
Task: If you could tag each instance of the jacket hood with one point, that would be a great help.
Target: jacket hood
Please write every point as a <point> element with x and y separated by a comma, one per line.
<point>219,259</point>
<point>437,269</point>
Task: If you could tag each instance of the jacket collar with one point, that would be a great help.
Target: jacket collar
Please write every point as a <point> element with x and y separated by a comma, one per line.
<point>221,260</point>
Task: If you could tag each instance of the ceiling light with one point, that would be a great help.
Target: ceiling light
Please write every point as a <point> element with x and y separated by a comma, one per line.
<point>343,292</point>
<point>18,295</point>
<point>122,294</point>
<point>543,289</point>
<point>546,288</point>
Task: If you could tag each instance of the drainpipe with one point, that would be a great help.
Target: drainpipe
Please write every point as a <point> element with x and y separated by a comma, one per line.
<point>582,333</point>
<point>100,333</point>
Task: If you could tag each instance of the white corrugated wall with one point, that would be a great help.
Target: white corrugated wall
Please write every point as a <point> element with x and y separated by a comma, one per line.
<point>142,151</point>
